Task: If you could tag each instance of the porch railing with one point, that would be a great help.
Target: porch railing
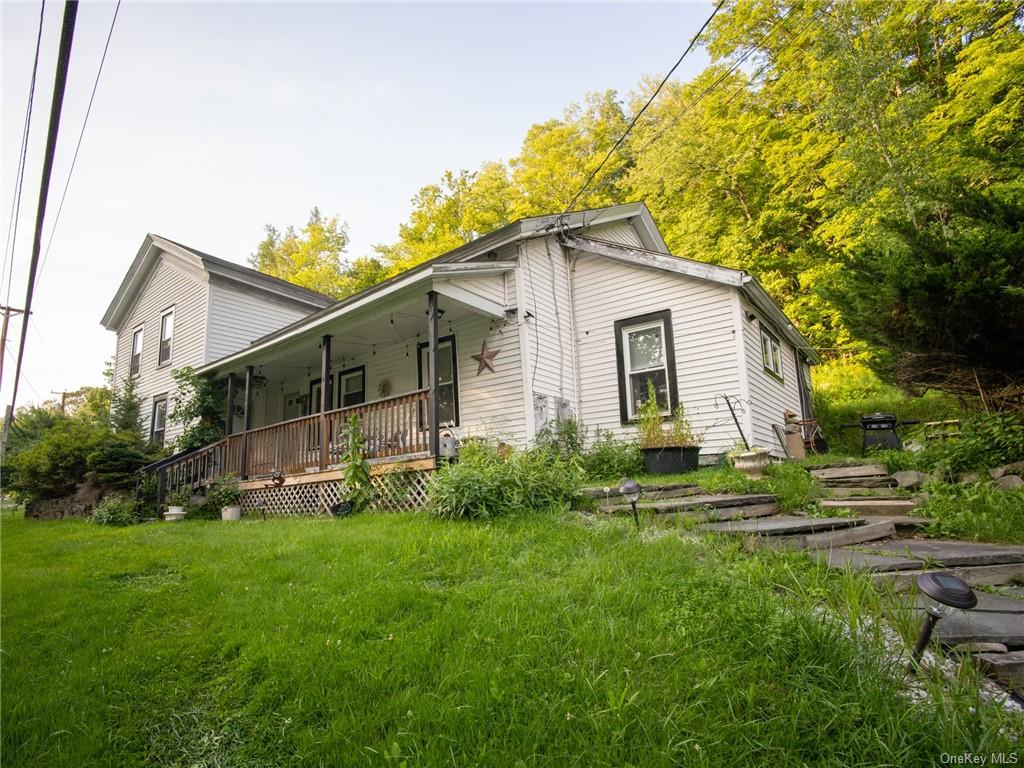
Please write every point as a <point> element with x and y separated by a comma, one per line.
<point>393,426</point>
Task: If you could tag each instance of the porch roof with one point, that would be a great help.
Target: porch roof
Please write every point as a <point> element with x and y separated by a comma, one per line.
<point>393,313</point>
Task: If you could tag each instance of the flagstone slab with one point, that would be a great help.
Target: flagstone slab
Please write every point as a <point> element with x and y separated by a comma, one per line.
<point>944,553</point>
<point>781,525</point>
<point>856,560</point>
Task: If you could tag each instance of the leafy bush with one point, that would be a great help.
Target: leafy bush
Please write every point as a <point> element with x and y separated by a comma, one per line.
<point>116,510</point>
<point>56,463</point>
<point>198,408</point>
<point>484,484</point>
<point>223,492</point>
<point>564,438</point>
<point>116,459</point>
<point>608,458</point>
<point>978,511</point>
<point>359,491</point>
<point>650,425</point>
<point>985,441</point>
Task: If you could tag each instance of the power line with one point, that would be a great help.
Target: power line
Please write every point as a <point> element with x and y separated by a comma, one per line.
<point>12,226</point>
<point>78,146</point>
<point>636,117</point>
<point>60,82</point>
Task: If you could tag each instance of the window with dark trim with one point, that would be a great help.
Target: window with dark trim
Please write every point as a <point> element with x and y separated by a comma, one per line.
<point>136,360</point>
<point>352,386</point>
<point>645,352</point>
<point>166,337</point>
<point>448,375</point>
<point>771,353</point>
<point>158,421</point>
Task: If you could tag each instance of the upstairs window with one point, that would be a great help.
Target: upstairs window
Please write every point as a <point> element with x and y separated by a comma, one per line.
<point>158,423</point>
<point>352,387</point>
<point>166,337</point>
<point>771,353</point>
<point>645,353</point>
<point>136,362</point>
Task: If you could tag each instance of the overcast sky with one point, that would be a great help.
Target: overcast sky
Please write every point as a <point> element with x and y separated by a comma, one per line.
<point>212,120</point>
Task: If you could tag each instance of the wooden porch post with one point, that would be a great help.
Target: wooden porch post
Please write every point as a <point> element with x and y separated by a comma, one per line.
<point>246,422</point>
<point>433,406</point>
<point>325,401</point>
<point>229,417</point>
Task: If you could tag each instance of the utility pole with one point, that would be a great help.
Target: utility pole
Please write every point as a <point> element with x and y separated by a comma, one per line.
<point>8,311</point>
<point>63,398</point>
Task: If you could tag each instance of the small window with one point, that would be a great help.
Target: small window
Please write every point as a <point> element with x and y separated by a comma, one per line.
<point>158,424</point>
<point>448,380</point>
<point>166,335</point>
<point>352,387</point>
<point>136,362</point>
<point>771,354</point>
<point>645,354</point>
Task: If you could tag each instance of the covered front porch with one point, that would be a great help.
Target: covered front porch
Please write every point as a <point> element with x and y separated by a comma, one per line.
<point>419,366</point>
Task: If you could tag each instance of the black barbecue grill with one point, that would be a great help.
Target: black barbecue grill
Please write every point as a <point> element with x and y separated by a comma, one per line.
<point>880,430</point>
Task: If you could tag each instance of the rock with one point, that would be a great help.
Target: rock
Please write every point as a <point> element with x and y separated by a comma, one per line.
<point>78,504</point>
<point>969,477</point>
<point>966,648</point>
<point>1009,482</point>
<point>910,478</point>
<point>1009,469</point>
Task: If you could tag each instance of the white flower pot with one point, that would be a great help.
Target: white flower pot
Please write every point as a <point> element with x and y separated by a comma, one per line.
<point>174,514</point>
<point>752,463</point>
<point>231,513</point>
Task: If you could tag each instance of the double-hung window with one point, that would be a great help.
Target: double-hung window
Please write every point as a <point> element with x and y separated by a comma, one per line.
<point>448,379</point>
<point>352,387</point>
<point>158,423</point>
<point>771,353</point>
<point>645,356</point>
<point>136,362</point>
<point>166,337</point>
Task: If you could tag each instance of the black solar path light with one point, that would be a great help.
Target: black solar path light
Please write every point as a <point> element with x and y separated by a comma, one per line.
<point>946,590</point>
<point>631,491</point>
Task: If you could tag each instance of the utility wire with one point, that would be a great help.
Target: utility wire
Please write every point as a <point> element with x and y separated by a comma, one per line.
<point>636,117</point>
<point>78,146</point>
<point>12,226</point>
<point>60,82</point>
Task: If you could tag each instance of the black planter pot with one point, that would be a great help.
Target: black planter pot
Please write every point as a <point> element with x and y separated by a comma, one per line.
<point>670,461</point>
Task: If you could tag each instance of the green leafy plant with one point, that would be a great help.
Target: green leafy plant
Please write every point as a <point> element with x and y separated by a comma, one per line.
<point>355,468</point>
<point>483,483</point>
<point>178,499</point>
<point>650,424</point>
<point>116,510</point>
<point>223,492</point>
<point>609,458</point>
<point>126,408</point>
<point>198,408</point>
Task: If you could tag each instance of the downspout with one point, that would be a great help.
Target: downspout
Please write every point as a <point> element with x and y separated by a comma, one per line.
<point>741,361</point>
<point>570,276</point>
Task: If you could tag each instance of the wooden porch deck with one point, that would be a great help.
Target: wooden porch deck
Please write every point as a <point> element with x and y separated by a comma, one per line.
<point>394,429</point>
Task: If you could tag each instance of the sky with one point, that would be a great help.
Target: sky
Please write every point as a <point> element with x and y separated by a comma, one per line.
<point>212,120</point>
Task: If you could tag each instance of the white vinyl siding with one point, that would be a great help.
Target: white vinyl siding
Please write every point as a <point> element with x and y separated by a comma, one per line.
<point>769,397</point>
<point>620,232</point>
<point>172,282</point>
<point>239,317</point>
<point>706,357</point>
<point>490,405</point>
<point>490,287</point>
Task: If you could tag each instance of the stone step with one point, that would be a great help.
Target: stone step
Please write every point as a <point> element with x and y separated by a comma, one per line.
<point>950,554</point>
<point>872,506</point>
<point>860,482</point>
<point>845,473</point>
<point>978,575</point>
<point>714,514</point>
<point>713,501</point>
<point>994,619</point>
<point>1007,668</point>
<point>862,491</point>
<point>825,540</point>
<point>855,560</point>
<point>662,488</point>
<point>781,525</point>
<point>904,522</point>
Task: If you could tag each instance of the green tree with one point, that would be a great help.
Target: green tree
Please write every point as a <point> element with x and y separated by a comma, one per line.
<point>126,408</point>
<point>198,407</point>
<point>311,257</point>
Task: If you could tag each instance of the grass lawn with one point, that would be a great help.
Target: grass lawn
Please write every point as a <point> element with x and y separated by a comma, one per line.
<point>540,640</point>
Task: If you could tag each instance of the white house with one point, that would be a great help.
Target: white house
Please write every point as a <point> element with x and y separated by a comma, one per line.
<point>179,307</point>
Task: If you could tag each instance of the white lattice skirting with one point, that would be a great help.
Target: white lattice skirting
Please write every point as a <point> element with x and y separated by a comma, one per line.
<point>393,491</point>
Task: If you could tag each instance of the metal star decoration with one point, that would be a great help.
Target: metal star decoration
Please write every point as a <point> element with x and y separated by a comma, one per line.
<point>485,359</point>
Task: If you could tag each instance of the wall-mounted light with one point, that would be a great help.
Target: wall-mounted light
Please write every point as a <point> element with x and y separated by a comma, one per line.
<point>751,317</point>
